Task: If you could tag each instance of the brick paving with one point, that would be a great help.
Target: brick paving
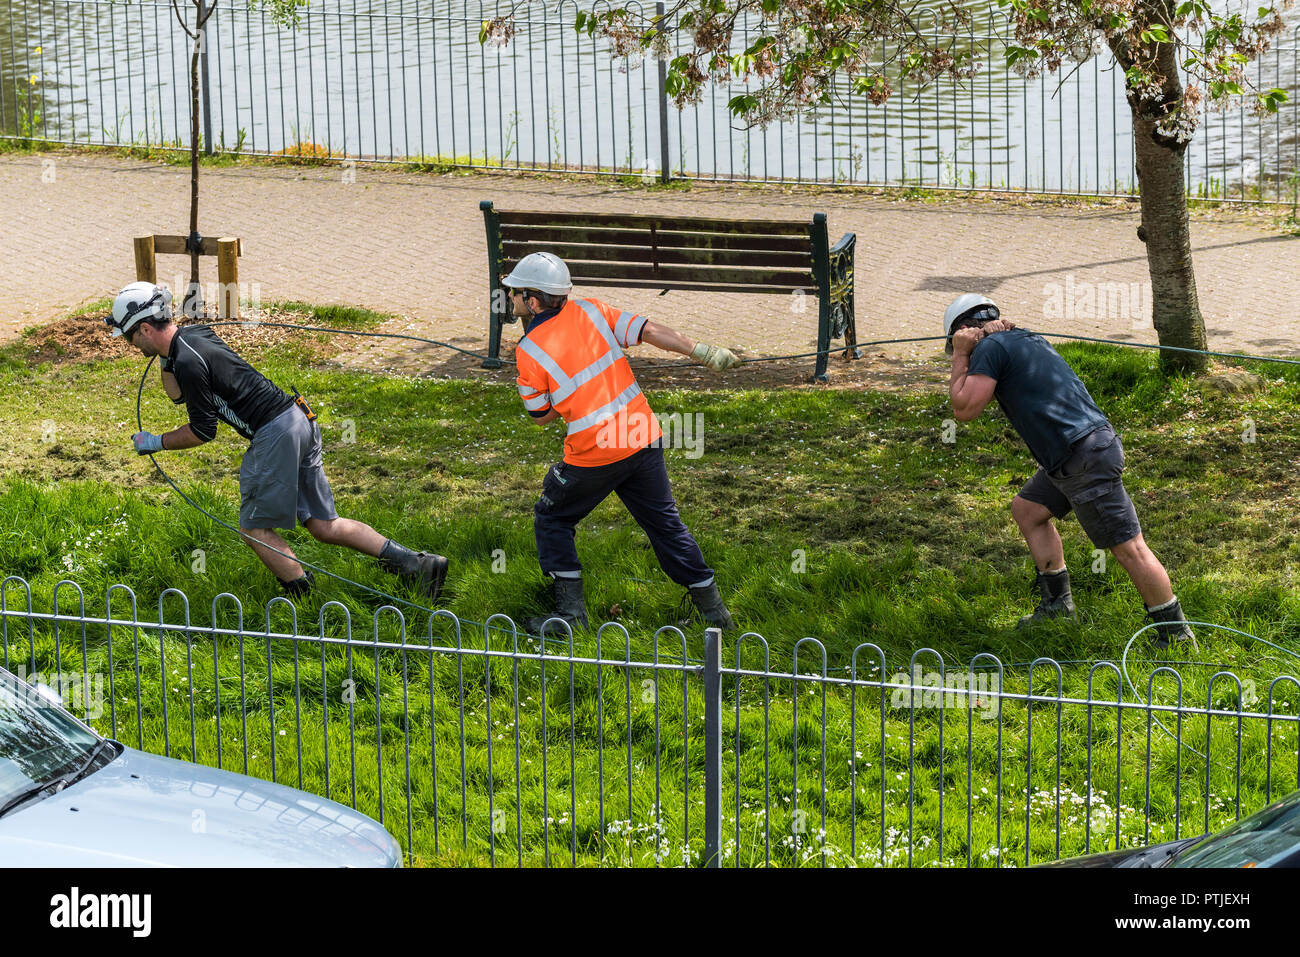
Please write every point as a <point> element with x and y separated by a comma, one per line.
<point>414,244</point>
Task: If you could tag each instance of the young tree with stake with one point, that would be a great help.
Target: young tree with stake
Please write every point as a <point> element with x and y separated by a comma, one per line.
<point>285,13</point>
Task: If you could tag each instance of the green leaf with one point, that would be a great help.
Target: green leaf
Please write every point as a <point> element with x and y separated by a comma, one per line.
<point>483,32</point>
<point>1271,100</point>
<point>742,104</point>
<point>1156,33</point>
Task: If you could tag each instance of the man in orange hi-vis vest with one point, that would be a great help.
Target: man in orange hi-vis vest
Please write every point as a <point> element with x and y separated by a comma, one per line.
<point>572,366</point>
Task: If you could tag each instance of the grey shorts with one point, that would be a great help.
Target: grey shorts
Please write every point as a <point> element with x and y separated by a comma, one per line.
<point>281,479</point>
<point>1089,483</point>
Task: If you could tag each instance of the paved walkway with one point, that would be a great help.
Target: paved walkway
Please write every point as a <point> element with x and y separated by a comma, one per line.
<point>414,244</point>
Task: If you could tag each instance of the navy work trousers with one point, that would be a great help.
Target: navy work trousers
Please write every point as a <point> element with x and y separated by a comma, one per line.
<point>571,492</point>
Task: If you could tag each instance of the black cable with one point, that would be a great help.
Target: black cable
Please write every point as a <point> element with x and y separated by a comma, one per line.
<point>139,399</point>
<point>253,324</point>
<point>393,335</point>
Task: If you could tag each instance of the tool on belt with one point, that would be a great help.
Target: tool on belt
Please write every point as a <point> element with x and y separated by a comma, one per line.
<point>301,403</point>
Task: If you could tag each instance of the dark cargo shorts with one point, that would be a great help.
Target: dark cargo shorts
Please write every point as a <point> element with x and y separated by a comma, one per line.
<point>281,478</point>
<point>1088,482</point>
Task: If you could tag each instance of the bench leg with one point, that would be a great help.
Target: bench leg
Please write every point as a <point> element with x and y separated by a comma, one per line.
<point>851,350</point>
<point>823,340</point>
<point>493,360</point>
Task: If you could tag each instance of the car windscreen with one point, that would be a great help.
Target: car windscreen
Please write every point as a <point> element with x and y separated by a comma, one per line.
<point>37,739</point>
<point>1260,840</point>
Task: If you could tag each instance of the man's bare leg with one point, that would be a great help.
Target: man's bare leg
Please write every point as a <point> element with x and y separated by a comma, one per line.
<point>286,569</point>
<point>425,571</point>
<point>1149,576</point>
<point>1040,534</point>
<point>345,531</point>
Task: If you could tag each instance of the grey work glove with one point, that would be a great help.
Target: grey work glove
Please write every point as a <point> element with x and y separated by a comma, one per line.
<point>715,357</point>
<point>146,442</point>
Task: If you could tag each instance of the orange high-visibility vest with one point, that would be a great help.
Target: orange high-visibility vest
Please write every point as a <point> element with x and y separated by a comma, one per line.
<point>574,363</point>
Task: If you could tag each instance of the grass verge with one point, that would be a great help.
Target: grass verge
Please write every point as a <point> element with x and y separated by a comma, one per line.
<point>834,515</point>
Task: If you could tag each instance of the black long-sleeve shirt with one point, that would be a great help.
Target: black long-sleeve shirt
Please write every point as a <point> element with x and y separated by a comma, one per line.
<point>216,383</point>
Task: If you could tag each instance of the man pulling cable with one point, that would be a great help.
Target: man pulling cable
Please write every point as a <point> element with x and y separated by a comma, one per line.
<point>572,366</point>
<point>281,477</point>
<point>1079,455</point>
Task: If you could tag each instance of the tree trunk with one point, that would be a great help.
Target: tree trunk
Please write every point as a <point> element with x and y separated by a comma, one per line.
<point>193,304</point>
<point>1160,166</point>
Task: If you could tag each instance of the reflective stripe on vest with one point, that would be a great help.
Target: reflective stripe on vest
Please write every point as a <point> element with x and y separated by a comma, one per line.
<point>593,419</point>
<point>620,328</point>
<point>534,401</point>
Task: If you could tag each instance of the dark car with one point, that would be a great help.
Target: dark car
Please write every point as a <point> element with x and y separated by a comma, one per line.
<point>1268,838</point>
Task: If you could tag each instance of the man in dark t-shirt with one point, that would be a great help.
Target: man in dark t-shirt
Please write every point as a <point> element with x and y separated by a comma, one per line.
<point>1080,457</point>
<point>281,477</point>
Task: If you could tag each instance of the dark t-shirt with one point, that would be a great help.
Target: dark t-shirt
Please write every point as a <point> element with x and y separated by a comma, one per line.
<point>216,383</point>
<point>1038,391</point>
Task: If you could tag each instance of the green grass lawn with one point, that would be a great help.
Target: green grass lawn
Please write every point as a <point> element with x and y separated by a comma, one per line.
<point>837,515</point>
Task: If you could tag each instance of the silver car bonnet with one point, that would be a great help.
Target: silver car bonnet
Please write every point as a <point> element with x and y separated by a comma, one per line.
<point>142,810</point>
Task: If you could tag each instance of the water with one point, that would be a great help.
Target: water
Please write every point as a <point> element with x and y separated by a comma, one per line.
<point>398,79</point>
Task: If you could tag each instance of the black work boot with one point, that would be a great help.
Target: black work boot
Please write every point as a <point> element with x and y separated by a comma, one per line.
<point>1056,601</point>
<point>421,569</point>
<point>711,606</point>
<point>1170,625</point>
<point>570,605</point>
<point>299,586</point>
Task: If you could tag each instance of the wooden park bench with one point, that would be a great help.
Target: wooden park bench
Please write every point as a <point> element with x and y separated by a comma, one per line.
<point>685,253</point>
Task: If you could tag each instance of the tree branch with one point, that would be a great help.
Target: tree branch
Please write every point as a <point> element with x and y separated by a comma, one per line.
<point>184,26</point>
<point>211,10</point>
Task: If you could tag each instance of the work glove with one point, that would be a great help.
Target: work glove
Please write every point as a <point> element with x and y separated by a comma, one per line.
<point>715,357</point>
<point>146,442</point>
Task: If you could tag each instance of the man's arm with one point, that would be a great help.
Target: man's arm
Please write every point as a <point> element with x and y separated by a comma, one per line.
<point>670,340</point>
<point>171,386</point>
<point>182,438</point>
<point>969,394</point>
<point>550,416</point>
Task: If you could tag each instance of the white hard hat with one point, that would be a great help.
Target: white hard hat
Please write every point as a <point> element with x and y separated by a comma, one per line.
<point>544,272</point>
<point>965,303</point>
<point>137,302</point>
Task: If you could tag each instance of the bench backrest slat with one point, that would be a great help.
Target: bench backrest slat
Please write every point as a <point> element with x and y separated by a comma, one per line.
<point>701,224</point>
<point>576,254</point>
<point>783,280</point>
<point>664,239</point>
